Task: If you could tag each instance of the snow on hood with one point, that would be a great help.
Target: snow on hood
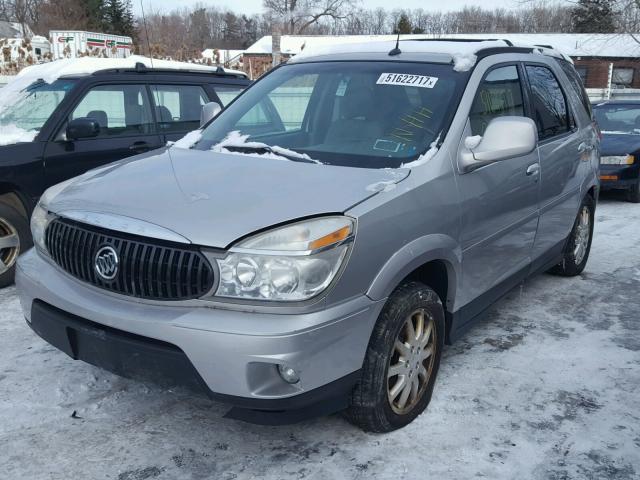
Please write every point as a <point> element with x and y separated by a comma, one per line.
<point>216,202</point>
<point>10,134</point>
<point>188,141</point>
<point>236,139</point>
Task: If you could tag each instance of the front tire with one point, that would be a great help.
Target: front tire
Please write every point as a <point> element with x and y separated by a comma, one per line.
<point>401,362</point>
<point>576,252</point>
<point>15,238</point>
<point>633,194</point>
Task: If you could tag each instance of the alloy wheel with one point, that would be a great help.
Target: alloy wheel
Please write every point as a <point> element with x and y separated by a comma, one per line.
<point>9,245</point>
<point>411,363</point>
<point>583,232</point>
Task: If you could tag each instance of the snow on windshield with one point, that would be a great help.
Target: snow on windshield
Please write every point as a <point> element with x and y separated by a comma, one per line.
<point>236,139</point>
<point>12,134</point>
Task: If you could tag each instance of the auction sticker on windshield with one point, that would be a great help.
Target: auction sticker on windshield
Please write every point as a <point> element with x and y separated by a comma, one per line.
<point>407,79</point>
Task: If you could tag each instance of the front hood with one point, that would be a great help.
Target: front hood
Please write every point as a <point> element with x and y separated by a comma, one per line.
<point>214,198</point>
<point>619,144</point>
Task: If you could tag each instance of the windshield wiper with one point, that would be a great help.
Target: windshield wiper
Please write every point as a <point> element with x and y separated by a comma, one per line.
<point>267,149</point>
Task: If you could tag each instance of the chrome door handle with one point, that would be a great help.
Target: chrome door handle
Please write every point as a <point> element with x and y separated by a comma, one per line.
<point>533,169</point>
<point>585,147</point>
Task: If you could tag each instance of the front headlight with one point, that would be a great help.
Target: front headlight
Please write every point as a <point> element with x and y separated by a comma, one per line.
<point>290,263</point>
<point>39,221</point>
<point>617,160</point>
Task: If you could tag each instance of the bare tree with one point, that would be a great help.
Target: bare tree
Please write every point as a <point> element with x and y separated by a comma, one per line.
<point>24,12</point>
<point>299,15</point>
<point>628,17</point>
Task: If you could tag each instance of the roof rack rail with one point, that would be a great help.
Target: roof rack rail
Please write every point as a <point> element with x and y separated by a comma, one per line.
<point>457,39</point>
<point>140,67</point>
<point>544,46</point>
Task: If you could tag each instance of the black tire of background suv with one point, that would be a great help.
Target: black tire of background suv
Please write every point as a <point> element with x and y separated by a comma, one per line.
<point>568,267</point>
<point>369,407</point>
<point>21,224</point>
<point>633,194</point>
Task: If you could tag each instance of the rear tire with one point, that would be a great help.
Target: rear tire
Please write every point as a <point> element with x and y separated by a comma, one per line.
<point>576,252</point>
<point>15,238</point>
<point>401,362</point>
<point>633,194</point>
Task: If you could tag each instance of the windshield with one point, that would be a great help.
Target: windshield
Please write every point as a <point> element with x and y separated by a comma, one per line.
<point>616,118</point>
<point>358,114</point>
<point>32,106</point>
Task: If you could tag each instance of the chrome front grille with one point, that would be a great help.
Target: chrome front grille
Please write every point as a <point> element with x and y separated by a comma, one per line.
<point>145,267</point>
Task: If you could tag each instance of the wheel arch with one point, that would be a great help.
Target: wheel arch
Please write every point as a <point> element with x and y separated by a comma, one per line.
<point>433,260</point>
<point>11,195</point>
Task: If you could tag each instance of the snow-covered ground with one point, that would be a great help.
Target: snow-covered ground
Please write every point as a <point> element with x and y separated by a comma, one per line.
<point>548,387</point>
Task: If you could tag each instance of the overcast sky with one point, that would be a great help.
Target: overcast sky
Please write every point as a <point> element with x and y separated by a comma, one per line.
<point>255,6</point>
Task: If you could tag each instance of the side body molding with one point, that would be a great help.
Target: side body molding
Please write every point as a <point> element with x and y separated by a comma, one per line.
<point>415,254</point>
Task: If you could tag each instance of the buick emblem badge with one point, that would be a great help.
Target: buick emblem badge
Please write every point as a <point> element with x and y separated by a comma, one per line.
<point>106,263</point>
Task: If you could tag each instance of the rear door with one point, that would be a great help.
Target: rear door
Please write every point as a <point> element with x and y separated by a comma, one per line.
<point>127,128</point>
<point>561,146</point>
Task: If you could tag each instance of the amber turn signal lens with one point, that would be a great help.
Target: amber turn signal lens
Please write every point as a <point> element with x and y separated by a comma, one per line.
<point>608,177</point>
<point>330,239</point>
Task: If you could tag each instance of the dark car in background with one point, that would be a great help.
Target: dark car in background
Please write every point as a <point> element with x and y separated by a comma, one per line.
<point>619,122</point>
<point>56,126</point>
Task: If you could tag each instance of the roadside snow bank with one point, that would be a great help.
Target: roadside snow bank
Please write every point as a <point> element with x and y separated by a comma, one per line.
<point>10,134</point>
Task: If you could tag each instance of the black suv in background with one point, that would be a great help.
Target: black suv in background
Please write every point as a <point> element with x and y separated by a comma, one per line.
<point>52,130</point>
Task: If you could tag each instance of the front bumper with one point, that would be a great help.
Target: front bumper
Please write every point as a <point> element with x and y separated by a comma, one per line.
<point>619,176</point>
<point>231,355</point>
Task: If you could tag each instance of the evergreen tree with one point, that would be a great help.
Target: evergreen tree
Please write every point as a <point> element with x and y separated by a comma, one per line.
<point>95,13</point>
<point>404,25</point>
<point>593,16</point>
<point>118,17</point>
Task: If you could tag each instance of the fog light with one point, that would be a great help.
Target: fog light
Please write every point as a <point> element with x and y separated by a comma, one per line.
<point>288,374</point>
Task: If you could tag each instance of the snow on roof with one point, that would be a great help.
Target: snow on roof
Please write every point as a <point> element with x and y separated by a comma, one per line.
<point>462,53</point>
<point>51,71</point>
<point>574,45</point>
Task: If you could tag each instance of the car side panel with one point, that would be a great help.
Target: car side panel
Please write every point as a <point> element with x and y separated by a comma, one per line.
<point>399,230</point>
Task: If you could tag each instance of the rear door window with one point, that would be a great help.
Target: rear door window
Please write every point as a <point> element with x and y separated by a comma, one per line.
<point>120,110</point>
<point>178,107</point>
<point>499,95</point>
<point>549,106</point>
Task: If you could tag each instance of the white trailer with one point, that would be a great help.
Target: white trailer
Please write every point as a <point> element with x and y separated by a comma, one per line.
<point>74,43</point>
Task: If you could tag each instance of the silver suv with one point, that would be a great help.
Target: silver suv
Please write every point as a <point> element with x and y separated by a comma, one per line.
<point>314,247</point>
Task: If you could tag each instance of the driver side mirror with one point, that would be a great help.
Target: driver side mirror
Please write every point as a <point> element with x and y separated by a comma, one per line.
<point>79,128</point>
<point>209,110</point>
<point>504,137</point>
